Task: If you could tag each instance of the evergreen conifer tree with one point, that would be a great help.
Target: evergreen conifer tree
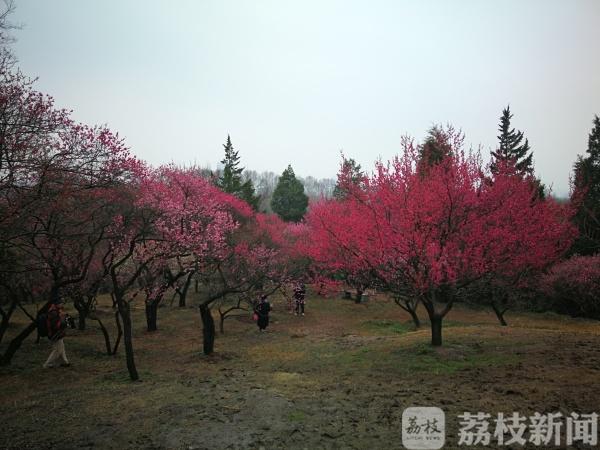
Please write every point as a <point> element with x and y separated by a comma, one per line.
<point>587,185</point>
<point>289,200</point>
<point>230,180</point>
<point>511,147</point>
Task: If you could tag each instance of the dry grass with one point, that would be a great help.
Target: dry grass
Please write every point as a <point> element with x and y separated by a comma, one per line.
<point>337,378</point>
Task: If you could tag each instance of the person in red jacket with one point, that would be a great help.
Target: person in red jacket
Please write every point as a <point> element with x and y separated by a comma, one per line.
<point>56,322</point>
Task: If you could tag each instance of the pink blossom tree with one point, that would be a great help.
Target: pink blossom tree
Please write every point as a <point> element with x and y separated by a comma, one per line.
<point>55,180</point>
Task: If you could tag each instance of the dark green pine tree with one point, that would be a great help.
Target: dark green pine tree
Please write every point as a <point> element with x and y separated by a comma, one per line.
<point>248,194</point>
<point>289,200</point>
<point>435,149</point>
<point>231,179</point>
<point>350,169</point>
<point>587,195</point>
<point>512,148</point>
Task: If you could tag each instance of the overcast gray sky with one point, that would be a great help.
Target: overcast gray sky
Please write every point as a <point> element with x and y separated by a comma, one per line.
<point>296,82</point>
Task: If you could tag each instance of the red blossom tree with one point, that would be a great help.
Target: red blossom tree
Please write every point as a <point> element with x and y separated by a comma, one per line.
<point>426,235</point>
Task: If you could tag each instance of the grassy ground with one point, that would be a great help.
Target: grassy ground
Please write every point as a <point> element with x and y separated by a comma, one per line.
<point>339,377</point>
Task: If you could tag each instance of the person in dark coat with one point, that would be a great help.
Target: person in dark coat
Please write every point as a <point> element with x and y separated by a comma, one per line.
<point>262,310</point>
<point>299,295</point>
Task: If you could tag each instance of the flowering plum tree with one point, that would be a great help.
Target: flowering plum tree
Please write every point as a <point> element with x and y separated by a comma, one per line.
<point>55,182</point>
<point>433,233</point>
<point>339,243</point>
<point>258,259</point>
<point>166,213</point>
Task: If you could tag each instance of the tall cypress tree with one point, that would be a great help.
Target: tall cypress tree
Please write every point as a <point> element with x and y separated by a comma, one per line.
<point>511,147</point>
<point>289,200</point>
<point>231,179</point>
<point>587,189</point>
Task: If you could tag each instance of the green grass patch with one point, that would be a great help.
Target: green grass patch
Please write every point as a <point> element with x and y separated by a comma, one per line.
<point>395,327</point>
<point>384,357</point>
<point>448,359</point>
<point>389,326</point>
<point>297,416</point>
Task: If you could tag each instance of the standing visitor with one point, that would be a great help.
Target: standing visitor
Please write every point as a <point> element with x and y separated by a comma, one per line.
<point>299,296</point>
<point>262,311</point>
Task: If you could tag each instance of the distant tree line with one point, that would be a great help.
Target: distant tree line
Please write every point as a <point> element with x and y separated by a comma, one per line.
<point>285,194</point>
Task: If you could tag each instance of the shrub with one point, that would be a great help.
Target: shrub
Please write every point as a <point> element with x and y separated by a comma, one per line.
<point>573,286</point>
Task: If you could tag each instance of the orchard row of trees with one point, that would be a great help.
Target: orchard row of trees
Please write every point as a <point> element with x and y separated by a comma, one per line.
<point>80,215</point>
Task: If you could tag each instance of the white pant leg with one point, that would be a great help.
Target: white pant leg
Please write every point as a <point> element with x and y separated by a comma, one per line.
<point>61,352</point>
<point>58,355</point>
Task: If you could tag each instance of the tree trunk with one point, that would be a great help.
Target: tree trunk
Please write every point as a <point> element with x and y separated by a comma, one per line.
<point>184,291</point>
<point>445,295</point>
<point>81,308</point>
<point>436,330</point>
<point>415,318</point>
<point>410,306</point>
<point>127,339</point>
<point>208,329</point>
<point>6,318</point>
<point>124,311</point>
<point>151,314</point>
<point>359,294</point>
<point>105,334</point>
<point>16,342</point>
<point>499,314</point>
<point>119,333</point>
<point>222,318</point>
<point>81,322</point>
<point>14,345</point>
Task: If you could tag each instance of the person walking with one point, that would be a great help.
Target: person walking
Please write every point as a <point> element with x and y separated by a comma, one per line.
<point>56,323</point>
<point>262,311</point>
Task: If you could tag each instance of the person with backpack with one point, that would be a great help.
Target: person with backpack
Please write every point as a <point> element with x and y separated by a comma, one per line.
<point>56,323</point>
